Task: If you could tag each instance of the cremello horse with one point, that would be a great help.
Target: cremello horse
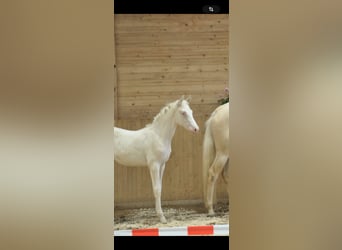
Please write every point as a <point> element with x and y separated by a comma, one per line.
<point>151,145</point>
<point>215,153</point>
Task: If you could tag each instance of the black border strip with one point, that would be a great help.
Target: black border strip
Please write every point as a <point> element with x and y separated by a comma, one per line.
<point>171,7</point>
<point>173,242</point>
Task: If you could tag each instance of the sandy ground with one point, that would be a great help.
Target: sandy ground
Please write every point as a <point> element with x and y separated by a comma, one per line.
<point>176,216</point>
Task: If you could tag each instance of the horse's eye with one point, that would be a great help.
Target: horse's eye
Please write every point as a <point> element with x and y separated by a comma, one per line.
<point>183,113</point>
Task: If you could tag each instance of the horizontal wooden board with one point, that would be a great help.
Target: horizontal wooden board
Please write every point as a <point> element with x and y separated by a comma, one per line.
<point>155,23</point>
<point>167,39</point>
<point>174,88</point>
<point>189,67</point>
<point>190,76</point>
<point>171,61</point>
<point>178,52</point>
<point>135,113</point>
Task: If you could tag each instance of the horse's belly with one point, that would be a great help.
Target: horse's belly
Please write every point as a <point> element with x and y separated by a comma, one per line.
<point>130,161</point>
<point>130,157</point>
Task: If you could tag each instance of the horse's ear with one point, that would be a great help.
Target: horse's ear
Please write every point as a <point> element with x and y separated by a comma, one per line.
<point>189,98</point>
<point>179,103</point>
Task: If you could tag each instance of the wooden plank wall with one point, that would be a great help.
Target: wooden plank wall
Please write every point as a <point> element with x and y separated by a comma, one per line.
<point>161,57</point>
<point>158,59</point>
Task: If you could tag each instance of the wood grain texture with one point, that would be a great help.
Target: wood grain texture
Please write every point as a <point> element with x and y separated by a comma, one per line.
<point>163,56</point>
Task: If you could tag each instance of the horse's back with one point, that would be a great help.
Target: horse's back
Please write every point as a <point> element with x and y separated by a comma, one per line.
<point>139,147</point>
<point>129,147</point>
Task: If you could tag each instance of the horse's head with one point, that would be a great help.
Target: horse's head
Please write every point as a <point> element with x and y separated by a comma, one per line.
<point>184,116</point>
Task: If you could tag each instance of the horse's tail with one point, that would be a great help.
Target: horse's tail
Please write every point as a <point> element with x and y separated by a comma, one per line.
<point>207,156</point>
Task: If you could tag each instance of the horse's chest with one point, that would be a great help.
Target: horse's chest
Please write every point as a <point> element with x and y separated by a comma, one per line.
<point>162,153</point>
<point>166,154</point>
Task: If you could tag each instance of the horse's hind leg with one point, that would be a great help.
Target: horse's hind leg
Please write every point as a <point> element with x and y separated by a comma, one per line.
<point>157,188</point>
<point>225,176</point>
<point>214,171</point>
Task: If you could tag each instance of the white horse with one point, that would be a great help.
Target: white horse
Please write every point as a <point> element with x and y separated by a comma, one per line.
<point>215,153</point>
<point>151,145</point>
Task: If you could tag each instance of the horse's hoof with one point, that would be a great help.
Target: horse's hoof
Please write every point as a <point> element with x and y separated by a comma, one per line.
<point>211,213</point>
<point>162,220</point>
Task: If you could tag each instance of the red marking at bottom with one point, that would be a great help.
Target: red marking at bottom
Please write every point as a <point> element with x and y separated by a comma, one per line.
<point>145,232</point>
<point>200,230</point>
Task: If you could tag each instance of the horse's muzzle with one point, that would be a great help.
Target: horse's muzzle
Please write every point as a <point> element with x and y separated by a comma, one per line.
<point>195,130</point>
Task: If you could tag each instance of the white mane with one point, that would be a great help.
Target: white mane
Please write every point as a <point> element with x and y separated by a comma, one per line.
<point>164,110</point>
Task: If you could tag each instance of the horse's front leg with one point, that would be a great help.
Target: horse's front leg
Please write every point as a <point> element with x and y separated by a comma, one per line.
<point>156,174</point>
<point>162,168</point>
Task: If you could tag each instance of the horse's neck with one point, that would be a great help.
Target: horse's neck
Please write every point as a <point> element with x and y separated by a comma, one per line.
<point>165,126</point>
